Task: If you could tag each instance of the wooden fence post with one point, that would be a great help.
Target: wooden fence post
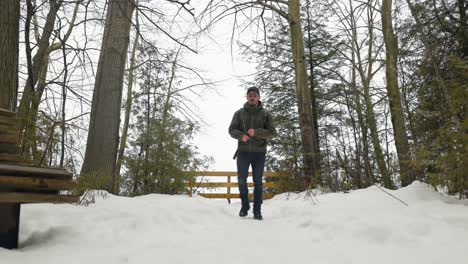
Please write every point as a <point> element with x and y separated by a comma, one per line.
<point>229,188</point>
<point>190,187</point>
<point>222,184</point>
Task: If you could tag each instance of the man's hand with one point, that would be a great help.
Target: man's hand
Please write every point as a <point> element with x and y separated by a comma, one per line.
<point>245,138</point>
<point>251,132</point>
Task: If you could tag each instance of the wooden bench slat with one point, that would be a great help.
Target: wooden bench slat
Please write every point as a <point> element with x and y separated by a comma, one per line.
<point>34,171</point>
<point>18,197</point>
<point>11,139</point>
<point>36,183</point>
<point>10,122</point>
<point>9,148</point>
<point>8,127</point>
<point>6,112</point>
<point>12,158</point>
<point>9,136</point>
<point>233,195</point>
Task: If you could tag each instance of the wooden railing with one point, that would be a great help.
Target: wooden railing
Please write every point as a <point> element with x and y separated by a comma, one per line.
<point>228,184</point>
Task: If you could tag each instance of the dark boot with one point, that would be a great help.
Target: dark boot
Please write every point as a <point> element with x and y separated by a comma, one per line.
<point>244,210</point>
<point>257,211</point>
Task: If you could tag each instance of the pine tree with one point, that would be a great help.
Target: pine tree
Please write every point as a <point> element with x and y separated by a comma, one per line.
<point>440,82</point>
<point>160,152</point>
<point>275,78</point>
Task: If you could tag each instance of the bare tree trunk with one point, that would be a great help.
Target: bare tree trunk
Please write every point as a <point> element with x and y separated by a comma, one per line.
<point>128,107</point>
<point>375,140</point>
<point>463,28</point>
<point>303,94</point>
<point>37,63</point>
<point>64,101</point>
<point>136,179</point>
<point>146,186</point>
<point>406,105</point>
<point>357,139</point>
<point>31,98</point>
<point>165,115</point>
<point>355,53</point>
<point>103,135</point>
<point>372,122</point>
<point>9,24</point>
<point>313,94</point>
<point>398,122</point>
<point>30,128</point>
<point>329,179</point>
<point>359,111</point>
<point>9,39</point>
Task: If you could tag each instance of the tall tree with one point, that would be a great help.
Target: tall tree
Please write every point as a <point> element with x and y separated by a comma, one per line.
<point>37,82</point>
<point>439,83</point>
<point>357,66</point>
<point>308,130</point>
<point>9,40</point>
<point>365,53</point>
<point>38,62</point>
<point>160,150</point>
<point>313,89</point>
<point>273,57</point>
<point>128,107</point>
<point>9,23</point>
<point>103,136</point>
<point>366,78</point>
<point>291,11</point>
<point>399,128</point>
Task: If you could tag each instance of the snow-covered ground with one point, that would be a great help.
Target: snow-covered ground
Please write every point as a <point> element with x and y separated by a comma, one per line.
<point>364,226</point>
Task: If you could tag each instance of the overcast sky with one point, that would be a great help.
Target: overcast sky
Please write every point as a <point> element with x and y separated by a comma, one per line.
<point>217,108</point>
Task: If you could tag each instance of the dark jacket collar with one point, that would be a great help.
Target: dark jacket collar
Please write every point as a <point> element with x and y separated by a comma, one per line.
<point>253,109</point>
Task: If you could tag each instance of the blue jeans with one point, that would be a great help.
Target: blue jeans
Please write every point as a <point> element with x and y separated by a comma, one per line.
<point>257,160</point>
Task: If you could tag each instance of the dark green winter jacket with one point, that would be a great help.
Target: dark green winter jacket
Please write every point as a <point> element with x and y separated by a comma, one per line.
<point>255,117</point>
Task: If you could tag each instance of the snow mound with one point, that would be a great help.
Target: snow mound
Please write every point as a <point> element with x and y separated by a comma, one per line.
<point>363,226</point>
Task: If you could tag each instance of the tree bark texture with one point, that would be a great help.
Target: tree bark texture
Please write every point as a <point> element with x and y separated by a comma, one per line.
<point>303,93</point>
<point>371,119</point>
<point>103,135</point>
<point>396,110</point>
<point>38,60</point>
<point>128,108</point>
<point>9,39</point>
<point>313,93</point>
<point>358,105</point>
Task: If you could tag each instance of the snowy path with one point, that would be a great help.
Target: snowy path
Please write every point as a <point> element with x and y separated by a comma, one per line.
<point>365,226</point>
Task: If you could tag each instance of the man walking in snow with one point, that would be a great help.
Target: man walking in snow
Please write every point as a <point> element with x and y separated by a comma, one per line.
<point>252,126</point>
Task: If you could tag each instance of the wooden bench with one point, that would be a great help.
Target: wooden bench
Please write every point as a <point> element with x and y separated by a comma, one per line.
<point>30,184</point>
<point>23,183</point>
<point>228,184</point>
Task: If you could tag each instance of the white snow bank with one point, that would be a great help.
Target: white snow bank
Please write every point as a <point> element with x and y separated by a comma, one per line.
<point>364,226</point>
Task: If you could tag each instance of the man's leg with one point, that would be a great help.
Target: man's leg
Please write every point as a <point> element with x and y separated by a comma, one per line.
<point>258,164</point>
<point>243,163</point>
